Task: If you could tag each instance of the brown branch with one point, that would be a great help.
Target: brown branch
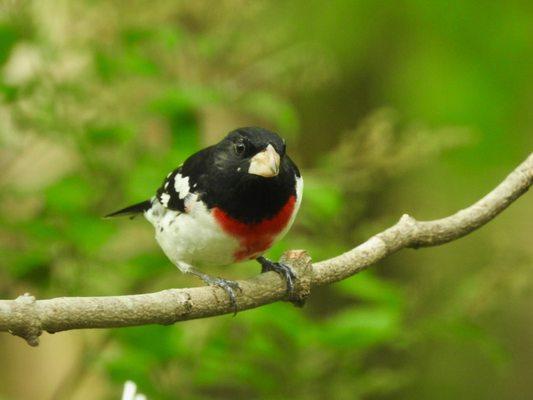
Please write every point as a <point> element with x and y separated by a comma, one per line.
<point>28,318</point>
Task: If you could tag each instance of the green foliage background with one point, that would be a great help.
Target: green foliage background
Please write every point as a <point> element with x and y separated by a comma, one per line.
<point>389,107</point>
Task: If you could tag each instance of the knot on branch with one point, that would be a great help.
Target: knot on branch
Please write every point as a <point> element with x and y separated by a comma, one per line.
<point>182,306</point>
<point>26,323</point>
<point>400,235</point>
<point>408,227</point>
<point>407,220</point>
<point>300,262</point>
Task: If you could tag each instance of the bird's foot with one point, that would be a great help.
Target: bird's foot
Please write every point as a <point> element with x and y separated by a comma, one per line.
<point>229,286</point>
<point>282,269</point>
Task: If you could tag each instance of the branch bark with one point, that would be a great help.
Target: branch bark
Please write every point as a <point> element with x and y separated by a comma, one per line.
<point>28,318</point>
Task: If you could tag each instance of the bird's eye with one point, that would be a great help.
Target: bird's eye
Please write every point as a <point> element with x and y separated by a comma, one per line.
<point>239,148</point>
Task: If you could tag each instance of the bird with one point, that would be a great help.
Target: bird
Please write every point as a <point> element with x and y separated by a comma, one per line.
<point>227,203</point>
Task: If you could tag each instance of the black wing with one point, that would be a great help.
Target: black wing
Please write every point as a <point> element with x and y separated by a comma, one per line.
<point>186,180</point>
<point>174,191</point>
<point>172,195</point>
<point>177,187</point>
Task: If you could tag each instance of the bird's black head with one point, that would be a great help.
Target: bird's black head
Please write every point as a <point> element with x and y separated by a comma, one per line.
<point>247,174</point>
<point>251,153</point>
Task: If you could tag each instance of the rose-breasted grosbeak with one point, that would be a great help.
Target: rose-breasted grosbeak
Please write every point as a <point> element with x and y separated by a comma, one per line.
<point>226,203</point>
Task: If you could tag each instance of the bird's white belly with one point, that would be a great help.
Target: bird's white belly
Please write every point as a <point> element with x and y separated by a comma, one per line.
<point>193,237</point>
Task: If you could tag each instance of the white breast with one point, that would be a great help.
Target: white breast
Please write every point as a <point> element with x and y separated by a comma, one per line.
<point>194,237</point>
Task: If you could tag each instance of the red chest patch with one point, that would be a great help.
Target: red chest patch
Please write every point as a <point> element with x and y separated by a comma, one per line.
<point>255,238</point>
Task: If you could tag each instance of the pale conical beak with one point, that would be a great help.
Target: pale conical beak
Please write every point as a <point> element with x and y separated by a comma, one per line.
<point>265,163</point>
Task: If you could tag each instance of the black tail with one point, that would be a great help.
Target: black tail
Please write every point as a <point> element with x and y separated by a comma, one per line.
<point>131,210</point>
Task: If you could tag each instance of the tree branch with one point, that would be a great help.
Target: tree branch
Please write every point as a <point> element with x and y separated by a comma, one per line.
<point>28,318</point>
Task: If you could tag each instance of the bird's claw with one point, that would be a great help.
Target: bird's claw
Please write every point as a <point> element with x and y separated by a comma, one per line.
<point>229,287</point>
<point>282,269</point>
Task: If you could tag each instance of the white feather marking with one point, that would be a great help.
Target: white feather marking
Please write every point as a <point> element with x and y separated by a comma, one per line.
<point>165,197</point>
<point>181,184</point>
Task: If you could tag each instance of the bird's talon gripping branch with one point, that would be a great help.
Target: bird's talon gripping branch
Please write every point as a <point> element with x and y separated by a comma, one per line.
<point>282,269</point>
<point>229,287</point>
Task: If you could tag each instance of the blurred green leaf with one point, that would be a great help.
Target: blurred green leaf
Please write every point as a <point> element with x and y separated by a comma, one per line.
<point>71,195</point>
<point>360,327</point>
<point>323,198</point>
<point>366,286</point>
<point>8,38</point>
<point>89,233</point>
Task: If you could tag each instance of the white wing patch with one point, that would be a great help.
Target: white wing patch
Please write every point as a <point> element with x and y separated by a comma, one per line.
<point>165,197</point>
<point>181,185</point>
